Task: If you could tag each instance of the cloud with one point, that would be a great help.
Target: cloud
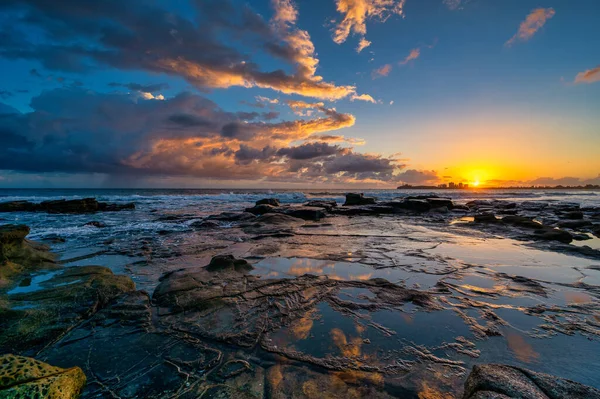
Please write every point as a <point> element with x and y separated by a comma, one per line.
<point>303,108</point>
<point>382,71</point>
<point>152,88</point>
<point>77,131</point>
<point>589,76</point>
<point>549,181</point>
<point>534,22</point>
<point>82,36</point>
<point>357,12</point>
<point>453,4</point>
<point>362,44</point>
<point>363,97</point>
<point>413,176</point>
<point>413,55</point>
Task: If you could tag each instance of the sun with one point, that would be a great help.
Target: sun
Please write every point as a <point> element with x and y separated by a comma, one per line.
<point>476,183</point>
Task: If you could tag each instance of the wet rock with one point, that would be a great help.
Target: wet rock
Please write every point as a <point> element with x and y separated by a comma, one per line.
<point>460,208</point>
<point>54,239</point>
<point>441,209</point>
<point>19,255</point>
<point>34,319</point>
<point>485,218</point>
<point>327,205</point>
<point>277,219</point>
<point>268,201</point>
<point>96,223</point>
<point>204,225</point>
<point>305,212</point>
<point>232,217</point>
<point>86,205</point>
<point>125,356</point>
<point>574,224</point>
<point>550,234</point>
<point>596,230</point>
<point>261,209</point>
<point>364,210</point>
<point>441,202</point>
<point>574,215</point>
<point>228,262</point>
<point>413,205</point>
<point>23,377</point>
<point>353,199</point>
<point>581,237</point>
<point>501,381</point>
<point>521,221</point>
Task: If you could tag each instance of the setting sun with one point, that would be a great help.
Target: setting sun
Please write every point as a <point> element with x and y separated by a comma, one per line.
<point>476,183</point>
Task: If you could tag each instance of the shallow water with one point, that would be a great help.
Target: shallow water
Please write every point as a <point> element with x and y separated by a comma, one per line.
<point>478,279</point>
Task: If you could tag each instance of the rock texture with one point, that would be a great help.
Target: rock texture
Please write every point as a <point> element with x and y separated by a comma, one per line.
<point>494,381</point>
<point>22,377</point>
<point>358,199</point>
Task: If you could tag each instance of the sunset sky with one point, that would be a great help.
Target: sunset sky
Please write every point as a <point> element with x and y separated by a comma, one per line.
<point>305,93</point>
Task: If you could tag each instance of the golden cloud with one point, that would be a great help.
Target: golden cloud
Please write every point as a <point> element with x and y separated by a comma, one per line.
<point>589,76</point>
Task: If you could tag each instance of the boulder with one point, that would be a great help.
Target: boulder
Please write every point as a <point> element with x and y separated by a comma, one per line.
<point>328,205</point>
<point>277,219</point>
<point>268,201</point>
<point>23,377</point>
<point>228,262</point>
<point>440,202</point>
<point>414,205</point>
<point>305,212</point>
<point>550,234</point>
<point>574,224</point>
<point>353,199</point>
<point>495,381</point>
<point>17,206</point>
<point>261,209</point>
<point>19,255</point>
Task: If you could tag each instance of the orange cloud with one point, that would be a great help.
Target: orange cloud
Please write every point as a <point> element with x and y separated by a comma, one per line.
<point>303,108</point>
<point>534,22</point>
<point>357,12</point>
<point>362,97</point>
<point>589,76</point>
<point>362,44</point>
<point>413,55</point>
<point>383,71</point>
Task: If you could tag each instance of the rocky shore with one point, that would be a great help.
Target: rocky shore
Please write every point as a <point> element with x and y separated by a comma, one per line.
<point>220,325</point>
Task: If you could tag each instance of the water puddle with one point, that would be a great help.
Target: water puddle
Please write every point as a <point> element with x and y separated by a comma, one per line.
<point>32,284</point>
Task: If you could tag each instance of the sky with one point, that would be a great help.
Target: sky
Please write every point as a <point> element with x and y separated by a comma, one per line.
<point>304,93</point>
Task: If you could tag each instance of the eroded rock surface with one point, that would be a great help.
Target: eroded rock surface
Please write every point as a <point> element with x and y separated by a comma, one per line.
<point>86,205</point>
<point>22,377</point>
<point>496,381</point>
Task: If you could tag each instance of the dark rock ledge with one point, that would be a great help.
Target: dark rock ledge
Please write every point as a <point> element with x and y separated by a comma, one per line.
<point>86,205</point>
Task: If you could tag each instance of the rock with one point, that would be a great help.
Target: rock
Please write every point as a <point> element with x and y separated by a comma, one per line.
<point>204,225</point>
<point>485,218</point>
<point>441,209</point>
<point>328,205</point>
<point>460,208</point>
<point>574,215</point>
<point>414,205</point>
<point>550,234</point>
<point>305,212</point>
<point>358,199</point>
<point>36,318</point>
<point>596,230</point>
<point>261,209</point>
<point>54,239</point>
<point>86,205</point>
<point>521,221</point>
<point>23,377</point>
<point>364,210</point>
<point>19,255</point>
<point>440,202</point>
<point>232,217</point>
<point>574,224</point>
<point>228,262</point>
<point>508,382</point>
<point>278,219</point>
<point>268,201</point>
<point>95,223</point>
<point>581,237</point>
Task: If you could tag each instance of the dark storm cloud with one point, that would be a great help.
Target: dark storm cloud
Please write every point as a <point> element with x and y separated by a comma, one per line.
<point>81,35</point>
<point>81,131</point>
<point>310,150</point>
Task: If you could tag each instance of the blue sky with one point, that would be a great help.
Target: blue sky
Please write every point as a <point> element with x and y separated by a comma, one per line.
<point>470,104</point>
